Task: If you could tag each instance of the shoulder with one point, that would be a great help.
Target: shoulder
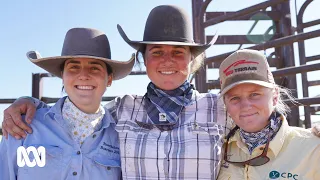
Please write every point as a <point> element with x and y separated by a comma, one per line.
<point>301,133</point>
<point>122,100</point>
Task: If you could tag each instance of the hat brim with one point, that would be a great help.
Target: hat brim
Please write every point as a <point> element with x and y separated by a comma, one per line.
<point>197,49</point>
<point>257,82</point>
<point>120,69</point>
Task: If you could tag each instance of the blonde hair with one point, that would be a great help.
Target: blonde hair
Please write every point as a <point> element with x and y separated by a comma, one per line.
<point>283,93</point>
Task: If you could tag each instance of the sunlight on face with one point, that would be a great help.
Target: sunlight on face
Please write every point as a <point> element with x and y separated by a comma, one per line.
<point>85,81</point>
<point>167,66</point>
<point>250,106</point>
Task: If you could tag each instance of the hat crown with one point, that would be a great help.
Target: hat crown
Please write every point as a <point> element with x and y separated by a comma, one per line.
<point>244,66</point>
<point>168,23</point>
<point>86,41</point>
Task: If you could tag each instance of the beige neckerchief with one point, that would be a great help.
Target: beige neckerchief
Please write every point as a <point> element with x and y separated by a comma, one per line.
<point>81,125</point>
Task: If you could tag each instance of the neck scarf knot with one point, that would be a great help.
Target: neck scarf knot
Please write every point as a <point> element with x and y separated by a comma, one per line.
<point>80,124</point>
<point>163,106</point>
<point>253,140</point>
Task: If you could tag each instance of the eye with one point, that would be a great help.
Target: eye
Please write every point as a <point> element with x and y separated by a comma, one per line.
<point>74,67</point>
<point>235,98</point>
<point>177,52</point>
<point>157,53</point>
<point>95,68</point>
<point>255,95</point>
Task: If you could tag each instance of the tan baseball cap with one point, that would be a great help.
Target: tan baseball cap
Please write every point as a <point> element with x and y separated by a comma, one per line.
<point>245,66</point>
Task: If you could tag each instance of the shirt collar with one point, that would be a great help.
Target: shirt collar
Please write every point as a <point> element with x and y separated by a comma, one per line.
<point>56,111</point>
<point>278,141</point>
<point>275,144</point>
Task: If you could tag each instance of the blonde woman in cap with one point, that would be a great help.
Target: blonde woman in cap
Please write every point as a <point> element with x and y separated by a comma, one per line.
<point>262,145</point>
<point>77,134</point>
<point>172,132</point>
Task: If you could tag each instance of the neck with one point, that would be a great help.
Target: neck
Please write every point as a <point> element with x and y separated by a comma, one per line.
<point>88,108</point>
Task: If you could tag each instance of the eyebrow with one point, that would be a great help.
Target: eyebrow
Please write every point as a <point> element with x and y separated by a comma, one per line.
<point>73,61</point>
<point>175,47</point>
<point>97,63</point>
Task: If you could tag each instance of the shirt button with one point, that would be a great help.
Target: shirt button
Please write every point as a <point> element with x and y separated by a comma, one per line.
<point>78,152</point>
<point>108,167</point>
<point>74,173</point>
<point>94,136</point>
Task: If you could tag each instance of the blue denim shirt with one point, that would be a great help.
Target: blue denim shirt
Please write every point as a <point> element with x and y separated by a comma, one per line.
<point>97,158</point>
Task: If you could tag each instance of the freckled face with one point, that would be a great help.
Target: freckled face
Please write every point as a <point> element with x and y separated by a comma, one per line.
<point>168,66</point>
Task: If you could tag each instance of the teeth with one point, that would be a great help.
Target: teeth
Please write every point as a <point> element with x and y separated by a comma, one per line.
<point>167,72</point>
<point>85,87</point>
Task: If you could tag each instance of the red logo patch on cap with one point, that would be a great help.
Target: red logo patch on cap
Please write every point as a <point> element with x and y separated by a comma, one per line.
<point>227,72</point>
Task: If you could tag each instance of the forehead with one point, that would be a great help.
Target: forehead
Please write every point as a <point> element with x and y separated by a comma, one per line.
<point>246,88</point>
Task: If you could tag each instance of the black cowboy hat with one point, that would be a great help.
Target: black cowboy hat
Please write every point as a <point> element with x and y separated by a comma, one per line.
<point>168,25</point>
<point>83,43</point>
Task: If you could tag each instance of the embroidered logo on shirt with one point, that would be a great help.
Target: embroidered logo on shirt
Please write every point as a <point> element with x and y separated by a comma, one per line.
<point>284,175</point>
<point>110,148</point>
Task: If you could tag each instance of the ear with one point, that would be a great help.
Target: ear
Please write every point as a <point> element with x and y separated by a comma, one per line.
<point>110,77</point>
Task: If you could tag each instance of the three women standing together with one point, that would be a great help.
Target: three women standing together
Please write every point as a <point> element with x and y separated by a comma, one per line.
<point>174,132</point>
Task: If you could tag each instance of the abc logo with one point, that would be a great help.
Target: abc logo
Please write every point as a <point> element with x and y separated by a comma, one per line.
<point>38,154</point>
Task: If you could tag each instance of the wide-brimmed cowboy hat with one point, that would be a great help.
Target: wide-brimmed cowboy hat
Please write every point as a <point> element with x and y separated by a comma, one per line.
<point>168,25</point>
<point>83,43</point>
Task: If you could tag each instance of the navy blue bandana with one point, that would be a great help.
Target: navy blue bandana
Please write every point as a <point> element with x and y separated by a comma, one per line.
<point>164,107</point>
<point>253,140</point>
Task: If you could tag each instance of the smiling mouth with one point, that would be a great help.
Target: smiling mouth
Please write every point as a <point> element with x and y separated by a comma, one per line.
<point>248,115</point>
<point>84,87</point>
<point>167,72</point>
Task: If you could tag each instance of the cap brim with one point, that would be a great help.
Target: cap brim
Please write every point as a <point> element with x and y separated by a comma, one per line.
<point>196,48</point>
<point>257,82</point>
<point>120,69</point>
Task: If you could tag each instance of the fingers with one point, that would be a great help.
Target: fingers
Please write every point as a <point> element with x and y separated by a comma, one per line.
<point>31,111</point>
<point>11,128</point>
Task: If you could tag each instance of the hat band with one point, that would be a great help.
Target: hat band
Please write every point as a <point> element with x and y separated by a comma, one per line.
<point>168,38</point>
<point>243,77</point>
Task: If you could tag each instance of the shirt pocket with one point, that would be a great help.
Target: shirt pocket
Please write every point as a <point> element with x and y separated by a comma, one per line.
<point>203,149</point>
<point>106,167</point>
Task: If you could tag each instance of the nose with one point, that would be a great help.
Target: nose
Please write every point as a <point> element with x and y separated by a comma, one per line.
<point>84,74</point>
<point>167,58</point>
<point>245,104</point>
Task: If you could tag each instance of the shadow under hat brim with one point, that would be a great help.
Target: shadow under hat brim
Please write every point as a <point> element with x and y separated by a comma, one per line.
<point>257,82</point>
<point>120,69</point>
<point>197,49</point>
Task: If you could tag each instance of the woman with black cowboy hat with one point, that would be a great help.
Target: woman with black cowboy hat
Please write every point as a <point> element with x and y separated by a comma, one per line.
<point>172,132</point>
<point>76,136</point>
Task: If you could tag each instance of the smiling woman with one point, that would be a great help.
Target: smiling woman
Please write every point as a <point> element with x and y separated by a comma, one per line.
<point>262,145</point>
<point>77,133</point>
<point>86,80</point>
